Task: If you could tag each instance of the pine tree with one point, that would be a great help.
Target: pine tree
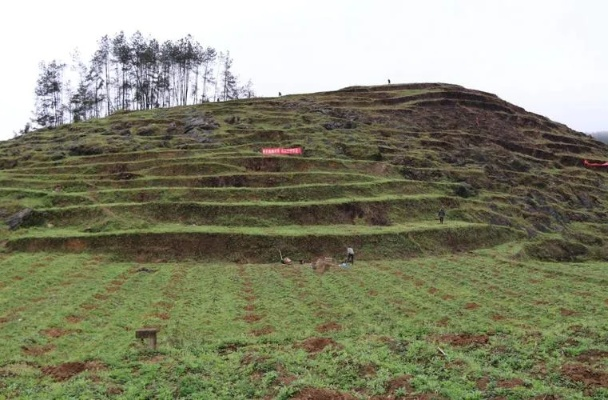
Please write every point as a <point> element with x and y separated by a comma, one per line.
<point>209,57</point>
<point>135,73</point>
<point>100,68</point>
<point>122,58</point>
<point>49,90</point>
<point>229,81</point>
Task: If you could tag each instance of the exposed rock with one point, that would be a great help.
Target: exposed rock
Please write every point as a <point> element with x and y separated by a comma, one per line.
<point>18,219</point>
<point>465,190</point>
<point>205,123</point>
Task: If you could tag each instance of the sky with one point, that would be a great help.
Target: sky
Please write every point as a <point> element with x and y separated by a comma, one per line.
<point>548,56</point>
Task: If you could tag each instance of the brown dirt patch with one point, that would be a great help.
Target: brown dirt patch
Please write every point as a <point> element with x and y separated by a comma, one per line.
<point>539,371</point>
<point>18,278</point>
<point>498,317</point>
<point>101,297</point>
<point>541,302</point>
<point>443,321</point>
<point>592,356</point>
<point>266,330</point>
<point>433,290</point>
<point>321,394</point>
<point>464,339</point>
<point>57,332</point>
<point>4,320</point>
<point>73,319</point>
<point>373,293</point>
<point>482,383</point>
<point>63,372</point>
<point>510,383</point>
<point>37,350</point>
<point>316,345</point>
<point>471,306</point>
<point>163,316</point>
<point>368,370</point>
<point>250,318</point>
<point>285,377</point>
<point>88,307</point>
<point>447,297</point>
<point>250,307</point>
<point>567,313</point>
<point>399,382</point>
<point>419,283</point>
<point>75,245</point>
<point>328,326</point>
<point>251,358</point>
<point>586,375</point>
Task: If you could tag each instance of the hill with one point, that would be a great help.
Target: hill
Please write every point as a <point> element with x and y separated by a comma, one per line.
<point>172,219</point>
<point>378,163</point>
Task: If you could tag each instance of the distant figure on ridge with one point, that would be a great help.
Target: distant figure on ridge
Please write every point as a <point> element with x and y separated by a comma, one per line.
<point>389,81</point>
<point>441,215</point>
<point>280,94</point>
<point>350,255</point>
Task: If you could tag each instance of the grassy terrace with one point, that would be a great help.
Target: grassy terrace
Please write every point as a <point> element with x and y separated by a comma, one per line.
<point>262,244</point>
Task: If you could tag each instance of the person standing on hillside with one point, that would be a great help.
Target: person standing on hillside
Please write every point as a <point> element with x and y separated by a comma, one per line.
<point>350,255</point>
<point>441,215</point>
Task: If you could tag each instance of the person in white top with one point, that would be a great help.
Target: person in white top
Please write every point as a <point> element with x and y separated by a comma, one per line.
<point>350,255</point>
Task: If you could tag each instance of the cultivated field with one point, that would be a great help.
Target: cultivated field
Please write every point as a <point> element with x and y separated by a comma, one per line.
<point>471,325</point>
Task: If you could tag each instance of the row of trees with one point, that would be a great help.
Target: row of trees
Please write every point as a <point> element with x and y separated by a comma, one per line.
<point>134,73</point>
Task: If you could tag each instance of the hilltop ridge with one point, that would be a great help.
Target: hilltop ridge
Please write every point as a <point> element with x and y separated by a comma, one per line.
<point>378,162</point>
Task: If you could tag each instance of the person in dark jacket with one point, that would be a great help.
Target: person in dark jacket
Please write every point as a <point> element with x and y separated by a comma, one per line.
<point>441,215</point>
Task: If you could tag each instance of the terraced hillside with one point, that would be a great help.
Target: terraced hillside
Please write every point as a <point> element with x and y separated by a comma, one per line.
<point>378,163</point>
<point>178,221</point>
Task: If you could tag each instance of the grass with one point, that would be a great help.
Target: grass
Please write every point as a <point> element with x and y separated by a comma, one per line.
<point>288,230</point>
<point>461,326</point>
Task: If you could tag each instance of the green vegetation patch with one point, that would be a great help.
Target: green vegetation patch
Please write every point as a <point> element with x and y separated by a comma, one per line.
<point>470,325</point>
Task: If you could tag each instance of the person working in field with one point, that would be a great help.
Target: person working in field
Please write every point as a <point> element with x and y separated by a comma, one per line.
<point>350,255</point>
<point>441,215</point>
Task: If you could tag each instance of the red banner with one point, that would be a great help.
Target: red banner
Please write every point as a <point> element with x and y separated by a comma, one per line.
<point>281,150</point>
<point>601,165</point>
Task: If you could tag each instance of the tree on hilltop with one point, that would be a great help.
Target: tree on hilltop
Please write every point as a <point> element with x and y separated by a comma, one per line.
<point>229,82</point>
<point>49,90</point>
<point>135,73</point>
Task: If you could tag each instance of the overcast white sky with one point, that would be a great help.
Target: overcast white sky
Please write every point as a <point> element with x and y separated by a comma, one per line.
<point>548,56</point>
